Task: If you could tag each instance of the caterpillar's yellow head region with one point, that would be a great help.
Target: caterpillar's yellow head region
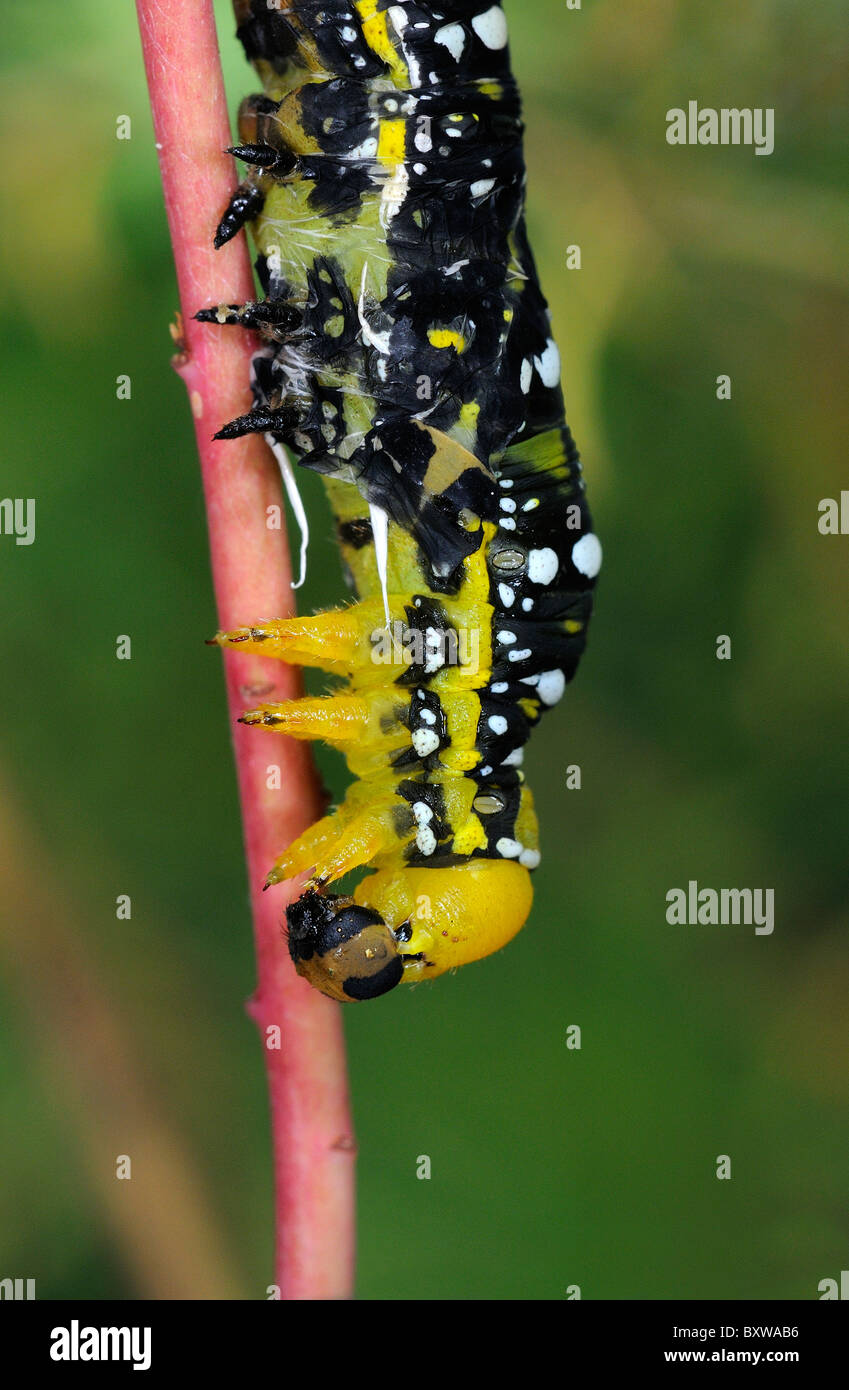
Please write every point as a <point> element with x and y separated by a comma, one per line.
<point>407,924</point>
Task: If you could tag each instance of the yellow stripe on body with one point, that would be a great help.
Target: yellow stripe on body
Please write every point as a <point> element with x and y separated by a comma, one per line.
<point>391,143</point>
<point>377,37</point>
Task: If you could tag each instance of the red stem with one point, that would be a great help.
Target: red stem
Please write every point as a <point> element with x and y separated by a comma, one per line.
<point>311,1125</point>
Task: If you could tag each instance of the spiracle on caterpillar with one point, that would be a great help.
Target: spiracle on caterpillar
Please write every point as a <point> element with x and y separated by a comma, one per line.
<point>407,357</point>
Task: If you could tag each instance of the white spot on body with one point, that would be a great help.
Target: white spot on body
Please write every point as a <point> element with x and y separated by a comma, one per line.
<point>499,687</point>
<point>394,192</point>
<point>424,741</point>
<point>509,849</point>
<point>514,759</point>
<point>505,637</point>
<point>586,555</point>
<point>507,523</point>
<point>527,604</point>
<point>481,187</point>
<point>505,593</point>
<point>551,686</point>
<point>452,37</point>
<point>548,364</point>
<point>427,716</point>
<point>521,655</point>
<point>542,565</point>
<point>426,840</point>
<point>497,723</point>
<point>525,375</point>
<point>434,655</point>
<point>530,858</point>
<point>491,27</point>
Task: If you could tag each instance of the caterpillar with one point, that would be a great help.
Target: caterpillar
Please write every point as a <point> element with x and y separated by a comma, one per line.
<point>407,358</point>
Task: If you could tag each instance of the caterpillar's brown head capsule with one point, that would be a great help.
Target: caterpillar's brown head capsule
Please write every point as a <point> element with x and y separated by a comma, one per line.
<point>346,951</point>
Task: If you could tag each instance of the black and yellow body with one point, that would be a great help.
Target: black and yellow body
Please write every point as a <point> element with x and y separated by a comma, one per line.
<point>408,359</point>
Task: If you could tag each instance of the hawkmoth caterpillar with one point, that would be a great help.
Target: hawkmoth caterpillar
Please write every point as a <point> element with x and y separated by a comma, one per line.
<point>407,357</point>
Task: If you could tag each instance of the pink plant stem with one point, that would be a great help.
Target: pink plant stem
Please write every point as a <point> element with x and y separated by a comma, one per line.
<point>311,1124</point>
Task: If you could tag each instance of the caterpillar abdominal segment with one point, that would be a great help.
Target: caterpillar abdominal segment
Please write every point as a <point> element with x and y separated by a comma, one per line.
<point>407,358</point>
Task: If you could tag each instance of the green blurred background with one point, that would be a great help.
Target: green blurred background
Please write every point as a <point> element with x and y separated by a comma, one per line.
<point>551,1167</point>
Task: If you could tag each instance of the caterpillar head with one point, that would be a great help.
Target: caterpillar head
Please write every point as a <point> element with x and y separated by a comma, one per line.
<point>346,951</point>
<point>408,923</point>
